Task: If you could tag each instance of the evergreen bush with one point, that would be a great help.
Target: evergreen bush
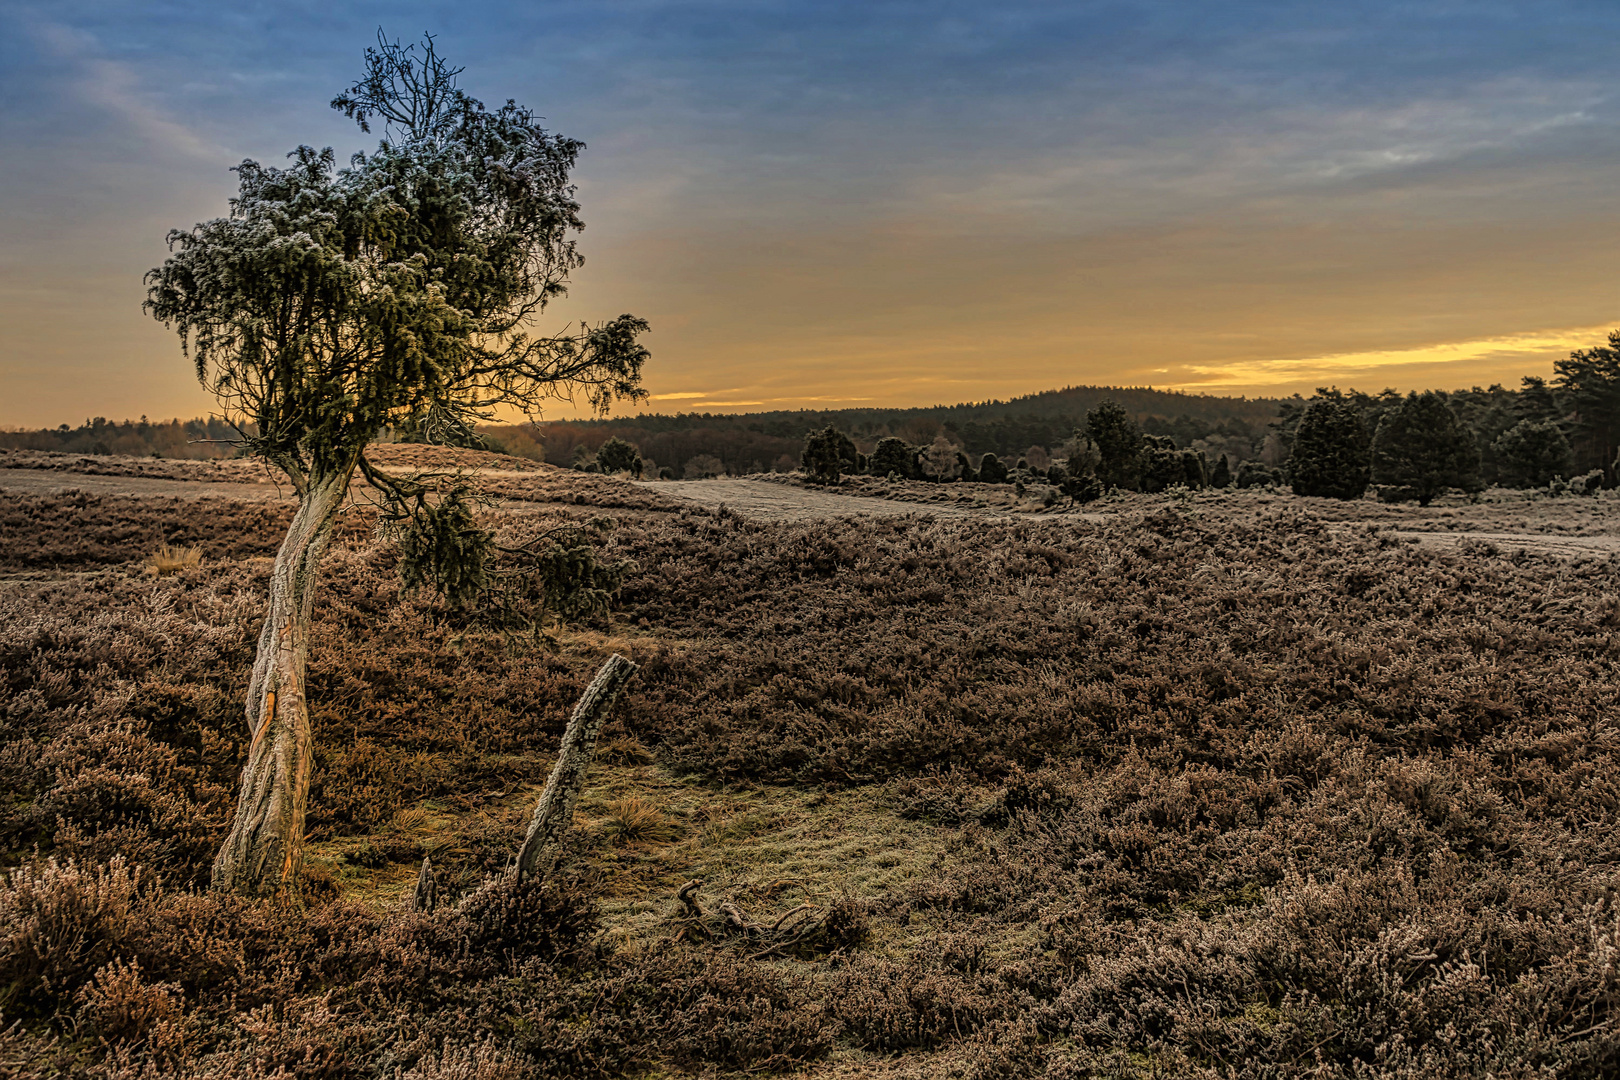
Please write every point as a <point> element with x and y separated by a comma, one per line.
<point>1332,455</point>
<point>991,470</point>
<point>616,456</point>
<point>1421,449</point>
<point>964,467</point>
<point>827,454</point>
<point>892,455</point>
<point>1254,474</point>
<point>1531,453</point>
<point>1118,440</point>
<point>1160,463</point>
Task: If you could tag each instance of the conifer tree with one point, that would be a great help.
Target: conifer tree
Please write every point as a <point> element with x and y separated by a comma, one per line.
<point>616,455</point>
<point>1160,463</point>
<point>333,303</point>
<point>892,455</point>
<point>991,470</point>
<point>1421,449</point>
<point>829,453</point>
<point>1332,452</point>
<point>1531,453</point>
<point>1590,381</point>
<point>1119,445</point>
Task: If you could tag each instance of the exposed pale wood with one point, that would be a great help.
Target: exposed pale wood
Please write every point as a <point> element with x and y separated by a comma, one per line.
<point>555,808</point>
<point>265,846</point>
<point>426,895</point>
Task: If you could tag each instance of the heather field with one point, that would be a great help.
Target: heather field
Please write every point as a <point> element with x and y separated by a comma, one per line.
<point>1215,784</point>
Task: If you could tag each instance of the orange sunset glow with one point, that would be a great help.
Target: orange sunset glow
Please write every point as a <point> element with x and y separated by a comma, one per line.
<point>1236,205</point>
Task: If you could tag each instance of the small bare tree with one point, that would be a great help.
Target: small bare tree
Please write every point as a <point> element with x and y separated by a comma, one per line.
<point>939,460</point>
<point>332,303</point>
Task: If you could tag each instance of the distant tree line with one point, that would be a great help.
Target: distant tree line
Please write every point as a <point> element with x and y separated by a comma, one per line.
<point>1563,433</point>
<point>1560,435</point>
<point>696,444</point>
<point>211,438</point>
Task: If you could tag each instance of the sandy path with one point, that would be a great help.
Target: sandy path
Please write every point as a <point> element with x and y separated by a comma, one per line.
<point>779,502</point>
<point>50,481</point>
<point>753,498</point>
<point>1541,543</point>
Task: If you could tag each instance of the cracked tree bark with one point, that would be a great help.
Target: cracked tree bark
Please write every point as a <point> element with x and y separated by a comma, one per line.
<point>556,806</point>
<point>265,846</point>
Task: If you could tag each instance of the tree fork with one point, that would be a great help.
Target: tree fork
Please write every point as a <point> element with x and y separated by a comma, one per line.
<point>263,852</point>
<point>555,809</point>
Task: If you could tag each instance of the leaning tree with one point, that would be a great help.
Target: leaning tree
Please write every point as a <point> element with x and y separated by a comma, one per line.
<point>400,291</point>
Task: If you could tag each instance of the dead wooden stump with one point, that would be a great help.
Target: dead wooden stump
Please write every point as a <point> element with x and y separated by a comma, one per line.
<point>556,806</point>
<point>688,898</point>
<point>806,925</point>
<point>426,896</point>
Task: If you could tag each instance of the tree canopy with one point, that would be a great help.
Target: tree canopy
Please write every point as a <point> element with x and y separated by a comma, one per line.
<point>332,303</point>
<point>828,453</point>
<point>1531,453</point>
<point>1590,380</point>
<point>1118,440</point>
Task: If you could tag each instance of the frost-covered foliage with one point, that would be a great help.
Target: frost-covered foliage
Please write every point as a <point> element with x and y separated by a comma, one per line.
<point>704,466</point>
<point>939,460</point>
<point>1242,791</point>
<point>334,303</point>
<point>395,292</point>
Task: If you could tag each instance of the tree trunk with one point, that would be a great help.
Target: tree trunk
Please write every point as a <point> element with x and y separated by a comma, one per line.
<point>556,806</point>
<point>262,853</point>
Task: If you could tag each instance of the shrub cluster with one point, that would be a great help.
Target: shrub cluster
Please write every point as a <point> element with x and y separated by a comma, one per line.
<point>1248,793</point>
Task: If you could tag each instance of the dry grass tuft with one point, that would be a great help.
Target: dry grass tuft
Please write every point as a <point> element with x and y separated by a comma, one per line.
<point>637,821</point>
<point>410,819</point>
<point>625,750</point>
<point>168,559</point>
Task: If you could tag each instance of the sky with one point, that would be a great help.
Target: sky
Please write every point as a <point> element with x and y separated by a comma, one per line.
<point>820,204</point>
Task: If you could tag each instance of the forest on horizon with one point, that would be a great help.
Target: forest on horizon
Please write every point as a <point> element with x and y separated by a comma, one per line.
<point>1242,429</point>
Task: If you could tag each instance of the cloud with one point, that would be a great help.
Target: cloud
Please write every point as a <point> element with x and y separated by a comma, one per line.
<point>116,89</point>
<point>1335,367</point>
<point>895,203</point>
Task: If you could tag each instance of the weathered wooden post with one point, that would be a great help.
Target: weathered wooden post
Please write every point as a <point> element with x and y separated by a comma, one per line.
<point>426,896</point>
<point>556,806</point>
